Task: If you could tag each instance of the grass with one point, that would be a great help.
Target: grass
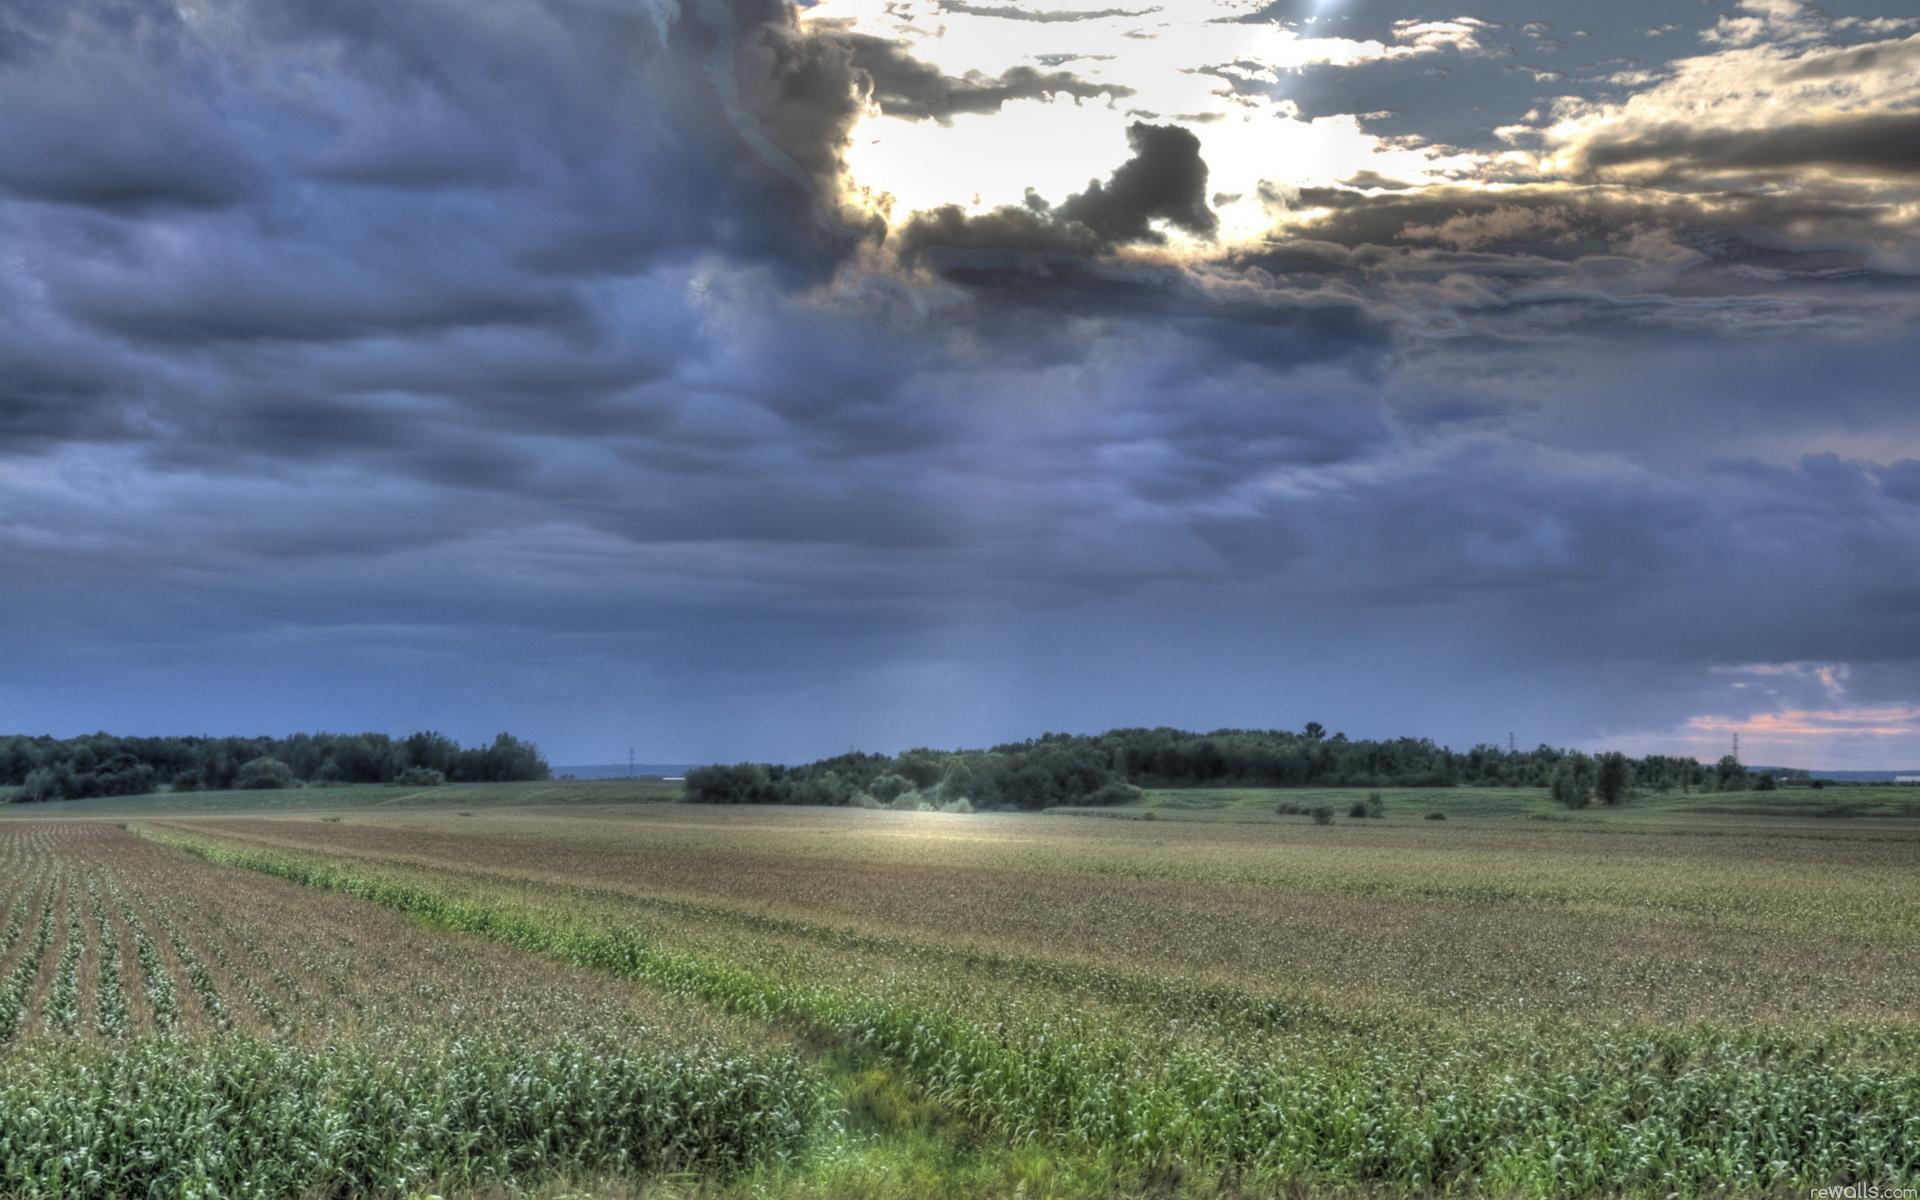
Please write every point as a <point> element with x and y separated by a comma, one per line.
<point>1672,999</point>
<point>1257,805</point>
<point>319,800</point>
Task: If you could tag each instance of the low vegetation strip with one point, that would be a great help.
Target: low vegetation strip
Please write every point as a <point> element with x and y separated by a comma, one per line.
<point>233,1116</point>
<point>1602,1110</point>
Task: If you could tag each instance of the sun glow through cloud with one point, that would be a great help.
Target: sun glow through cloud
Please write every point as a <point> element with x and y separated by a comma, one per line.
<point>1227,81</point>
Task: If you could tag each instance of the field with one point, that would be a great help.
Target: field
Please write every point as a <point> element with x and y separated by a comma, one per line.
<point>578,986</point>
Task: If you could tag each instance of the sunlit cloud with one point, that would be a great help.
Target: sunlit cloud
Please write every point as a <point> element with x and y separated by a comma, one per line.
<point>1797,714</point>
<point>1225,79</point>
<point>1820,725</point>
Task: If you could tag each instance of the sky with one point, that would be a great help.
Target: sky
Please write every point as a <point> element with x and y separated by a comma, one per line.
<point>730,379</point>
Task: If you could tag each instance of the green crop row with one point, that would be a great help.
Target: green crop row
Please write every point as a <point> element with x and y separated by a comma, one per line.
<point>18,988</point>
<point>162,994</point>
<point>1602,1111</point>
<point>198,974</point>
<point>63,1001</point>
<point>234,1117</point>
<point>111,1018</point>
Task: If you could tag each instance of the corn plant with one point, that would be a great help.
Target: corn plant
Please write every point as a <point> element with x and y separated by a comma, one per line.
<point>63,999</point>
<point>110,1016</point>
<point>198,975</point>
<point>237,1117</point>
<point>163,996</point>
<point>1621,1111</point>
<point>18,990</point>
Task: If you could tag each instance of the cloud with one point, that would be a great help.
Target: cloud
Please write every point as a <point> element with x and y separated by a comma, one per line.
<point>1879,144</point>
<point>1165,180</point>
<point>1462,34</point>
<point>1859,60</point>
<point>1011,12</point>
<point>903,86</point>
<point>92,128</point>
<point>455,360</point>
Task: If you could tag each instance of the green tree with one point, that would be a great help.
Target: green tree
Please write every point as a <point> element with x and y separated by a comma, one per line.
<point>1614,778</point>
<point>263,773</point>
<point>1568,788</point>
<point>1729,775</point>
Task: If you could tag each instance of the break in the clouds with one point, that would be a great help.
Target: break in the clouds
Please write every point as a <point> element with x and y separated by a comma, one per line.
<point>734,378</point>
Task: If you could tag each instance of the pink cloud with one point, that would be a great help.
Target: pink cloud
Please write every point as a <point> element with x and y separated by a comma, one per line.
<point>1889,720</point>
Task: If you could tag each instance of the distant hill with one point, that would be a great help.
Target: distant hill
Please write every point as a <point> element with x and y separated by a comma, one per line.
<point>1856,776</point>
<point>623,771</point>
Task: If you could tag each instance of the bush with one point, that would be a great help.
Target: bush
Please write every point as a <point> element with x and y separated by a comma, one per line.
<point>907,801</point>
<point>1115,792</point>
<point>1376,807</point>
<point>744,783</point>
<point>889,788</point>
<point>1765,784</point>
<point>1290,808</point>
<point>420,777</point>
<point>1359,810</point>
<point>962,805</point>
<point>864,800</point>
<point>1322,815</point>
<point>1615,779</point>
<point>187,781</point>
<point>1436,815</point>
<point>1568,788</point>
<point>264,774</point>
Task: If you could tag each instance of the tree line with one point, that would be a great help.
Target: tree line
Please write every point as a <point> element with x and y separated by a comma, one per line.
<point>101,764</point>
<point>1112,767</point>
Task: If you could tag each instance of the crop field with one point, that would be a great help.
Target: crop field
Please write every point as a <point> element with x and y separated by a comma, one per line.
<point>1679,1000</point>
<point>174,1028</point>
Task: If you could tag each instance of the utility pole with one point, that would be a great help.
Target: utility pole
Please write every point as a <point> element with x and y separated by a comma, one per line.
<point>1510,746</point>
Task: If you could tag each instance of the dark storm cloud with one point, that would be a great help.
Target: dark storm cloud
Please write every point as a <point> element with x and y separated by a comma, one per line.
<point>86,126</point>
<point>1558,220</point>
<point>903,86</point>
<point>516,365</point>
<point>1553,262</point>
<point>182,219</point>
<point>1166,179</point>
<point>1885,144</point>
<point>1901,480</point>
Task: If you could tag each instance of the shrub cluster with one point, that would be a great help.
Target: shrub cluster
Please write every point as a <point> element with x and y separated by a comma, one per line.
<point>1111,768</point>
<point>45,768</point>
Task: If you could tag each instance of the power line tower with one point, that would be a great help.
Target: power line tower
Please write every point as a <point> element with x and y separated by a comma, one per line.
<point>1736,745</point>
<point>1511,748</point>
